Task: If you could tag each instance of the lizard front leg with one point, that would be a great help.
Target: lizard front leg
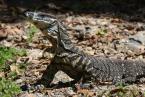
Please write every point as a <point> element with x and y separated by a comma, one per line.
<point>48,74</point>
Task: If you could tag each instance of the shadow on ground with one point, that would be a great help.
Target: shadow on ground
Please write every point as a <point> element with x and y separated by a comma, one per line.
<point>131,10</point>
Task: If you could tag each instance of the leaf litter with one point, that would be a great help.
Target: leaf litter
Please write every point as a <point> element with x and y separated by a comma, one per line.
<point>96,36</point>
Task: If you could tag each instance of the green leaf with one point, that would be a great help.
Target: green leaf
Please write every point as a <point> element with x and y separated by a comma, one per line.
<point>8,88</point>
<point>101,32</point>
<point>7,53</point>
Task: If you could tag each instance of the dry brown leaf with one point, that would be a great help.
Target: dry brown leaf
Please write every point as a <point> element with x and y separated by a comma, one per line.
<point>116,20</point>
<point>36,72</point>
<point>3,33</point>
<point>86,92</point>
<point>2,74</point>
<point>26,95</point>
<point>10,29</point>
<point>14,68</point>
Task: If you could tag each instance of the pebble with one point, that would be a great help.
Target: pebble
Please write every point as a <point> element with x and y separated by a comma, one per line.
<point>26,94</point>
<point>140,27</point>
<point>10,38</point>
<point>18,81</point>
<point>62,77</point>
<point>6,43</point>
<point>139,37</point>
<point>3,34</point>
<point>102,22</point>
<point>92,21</point>
<point>135,43</point>
<point>24,37</point>
<point>35,53</point>
<point>70,91</point>
<point>39,87</point>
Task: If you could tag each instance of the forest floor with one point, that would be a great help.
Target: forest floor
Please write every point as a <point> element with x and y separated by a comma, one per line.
<point>105,35</point>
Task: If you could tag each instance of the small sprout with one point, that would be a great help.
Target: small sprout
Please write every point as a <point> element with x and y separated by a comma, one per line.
<point>101,32</point>
<point>120,84</point>
<point>23,66</point>
<point>12,75</point>
<point>22,52</point>
<point>30,32</point>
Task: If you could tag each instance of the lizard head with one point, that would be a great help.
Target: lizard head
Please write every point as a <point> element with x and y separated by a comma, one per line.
<point>40,17</point>
<point>51,27</point>
<point>46,23</point>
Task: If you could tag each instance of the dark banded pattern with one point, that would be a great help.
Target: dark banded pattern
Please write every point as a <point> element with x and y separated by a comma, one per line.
<point>79,65</point>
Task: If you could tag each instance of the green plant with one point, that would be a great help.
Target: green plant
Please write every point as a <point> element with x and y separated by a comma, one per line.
<point>21,52</point>
<point>101,32</point>
<point>30,32</point>
<point>8,88</point>
<point>143,94</point>
<point>8,53</point>
<point>120,85</point>
<point>23,66</point>
<point>12,75</point>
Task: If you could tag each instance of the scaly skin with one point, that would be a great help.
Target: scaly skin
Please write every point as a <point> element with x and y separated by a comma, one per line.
<point>76,63</point>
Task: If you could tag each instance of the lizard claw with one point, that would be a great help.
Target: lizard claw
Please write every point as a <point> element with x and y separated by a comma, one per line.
<point>39,87</point>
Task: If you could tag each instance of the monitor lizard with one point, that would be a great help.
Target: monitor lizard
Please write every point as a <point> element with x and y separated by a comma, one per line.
<point>77,64</point>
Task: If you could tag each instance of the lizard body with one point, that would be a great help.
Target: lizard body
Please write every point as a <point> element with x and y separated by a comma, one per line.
<point>78,64</point>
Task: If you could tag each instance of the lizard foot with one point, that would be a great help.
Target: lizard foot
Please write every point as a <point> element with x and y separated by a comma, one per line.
<point>87,85</point>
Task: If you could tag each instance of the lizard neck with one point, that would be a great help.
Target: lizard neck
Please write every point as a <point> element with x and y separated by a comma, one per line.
<point>64,41</point>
